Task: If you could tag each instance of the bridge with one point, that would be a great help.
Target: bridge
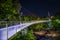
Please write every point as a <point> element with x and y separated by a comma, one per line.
<point>16,28</point>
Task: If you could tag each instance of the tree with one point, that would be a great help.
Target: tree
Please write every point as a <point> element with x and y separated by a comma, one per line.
<point>9,10</point>
<point>57,15</point>
<point>56,20</point>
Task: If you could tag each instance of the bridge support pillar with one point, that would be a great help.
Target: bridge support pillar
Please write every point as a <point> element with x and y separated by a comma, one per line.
<point>24,31</point>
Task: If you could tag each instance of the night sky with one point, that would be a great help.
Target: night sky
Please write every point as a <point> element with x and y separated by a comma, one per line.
<point>40,7</point>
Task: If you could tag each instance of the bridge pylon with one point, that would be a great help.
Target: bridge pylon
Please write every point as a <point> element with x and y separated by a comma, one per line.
<point>49,23</point>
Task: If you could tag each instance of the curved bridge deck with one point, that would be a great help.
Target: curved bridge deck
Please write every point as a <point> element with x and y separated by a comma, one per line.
<point>14,29</point>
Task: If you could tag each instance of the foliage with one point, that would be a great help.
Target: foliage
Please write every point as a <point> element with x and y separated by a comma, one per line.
<point>31,35</point>
<point>56,20</point>
<point>8,10</point>
<point>39,26</point>
<point>57,15</point>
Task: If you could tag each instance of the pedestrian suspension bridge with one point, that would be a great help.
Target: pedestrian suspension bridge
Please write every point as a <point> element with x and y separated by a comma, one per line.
<point>6,33</point>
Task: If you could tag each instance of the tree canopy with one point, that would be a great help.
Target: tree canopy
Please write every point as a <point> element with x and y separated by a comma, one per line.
<point>9,10</point>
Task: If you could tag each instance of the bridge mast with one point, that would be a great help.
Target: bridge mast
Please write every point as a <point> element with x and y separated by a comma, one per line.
<point>49,23</point>
<point>24,31</point>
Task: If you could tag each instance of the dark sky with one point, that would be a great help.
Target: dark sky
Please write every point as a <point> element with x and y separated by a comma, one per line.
<point>40,7</point>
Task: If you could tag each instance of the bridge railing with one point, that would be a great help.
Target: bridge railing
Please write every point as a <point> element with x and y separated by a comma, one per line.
<point>10,23</point>
<point>12,27</point>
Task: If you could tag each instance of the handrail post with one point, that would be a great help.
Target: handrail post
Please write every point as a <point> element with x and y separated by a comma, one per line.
<point>7,31</point>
